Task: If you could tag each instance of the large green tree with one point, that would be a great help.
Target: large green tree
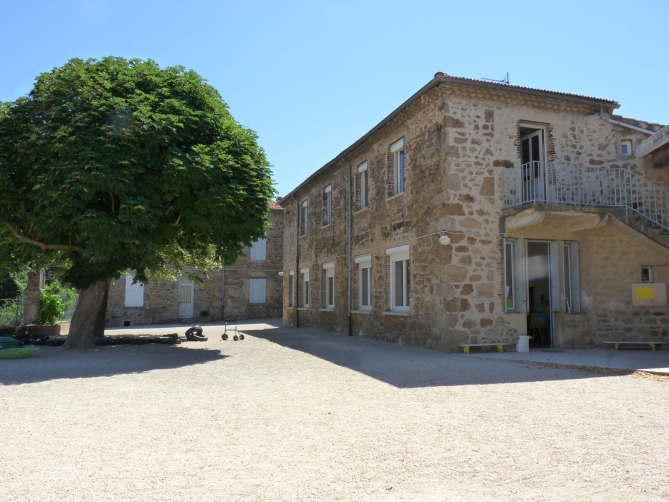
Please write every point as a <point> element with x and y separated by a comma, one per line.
<point>123,165</point>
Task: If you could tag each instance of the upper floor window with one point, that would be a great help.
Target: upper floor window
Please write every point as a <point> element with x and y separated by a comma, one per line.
<point>363,186</point>
<point>258,250</point>
<point>397,152</point>
<point>626,147</point>
<point>327,205</point>
<point>304,212</point>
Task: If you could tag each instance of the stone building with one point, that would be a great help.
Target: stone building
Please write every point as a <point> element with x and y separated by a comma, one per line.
<point>249,288</point>
<point>479,211</point>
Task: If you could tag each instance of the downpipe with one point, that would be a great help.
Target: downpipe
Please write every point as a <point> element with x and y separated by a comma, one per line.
<point>350,240</point>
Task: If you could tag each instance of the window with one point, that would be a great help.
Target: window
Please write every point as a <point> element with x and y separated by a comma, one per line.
<point>259,250</point>
<point>397,151</point>
<point>626,147</point>
<point>512,276</point>
<point>327,205</point>
<point>304,212</point>
<point>400,273</point>
<point>572,294</point>
<point>42,279</point>
<point>304,287</point>
<point>363,186</point>
<point>329,284</point>
<point>646,273</point>
<point>364,282</point>
<point>258,290</point>
<point>134,293</point>
<point>291,292</point>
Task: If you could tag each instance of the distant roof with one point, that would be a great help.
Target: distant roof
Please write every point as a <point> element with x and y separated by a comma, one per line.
<point>275,204</point>
<point>442,78</point>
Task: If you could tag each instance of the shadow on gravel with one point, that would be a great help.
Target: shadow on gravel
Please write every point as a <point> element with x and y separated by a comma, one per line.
<point>53,363</point>
<point>412,367</point>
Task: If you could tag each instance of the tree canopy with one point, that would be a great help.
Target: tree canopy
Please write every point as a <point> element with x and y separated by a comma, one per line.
<point>120,164</point>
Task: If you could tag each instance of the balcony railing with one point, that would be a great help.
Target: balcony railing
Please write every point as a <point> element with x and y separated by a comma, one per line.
<point>578,185</point>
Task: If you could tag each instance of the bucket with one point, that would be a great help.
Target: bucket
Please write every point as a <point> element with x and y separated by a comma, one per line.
<point>523,344</point>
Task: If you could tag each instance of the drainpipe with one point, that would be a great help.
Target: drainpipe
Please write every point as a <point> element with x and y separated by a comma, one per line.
<point>350,240</point>
<point>623,124</point>
<point>296,285</point>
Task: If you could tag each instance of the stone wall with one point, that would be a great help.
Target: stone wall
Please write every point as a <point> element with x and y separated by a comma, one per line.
<point>161,298</point>
<point>458,140</point>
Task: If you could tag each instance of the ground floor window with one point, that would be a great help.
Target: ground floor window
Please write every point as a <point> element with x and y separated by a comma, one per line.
<point>364,282</point>
<point>329,269</point>
<point>134,293</point>
<point>304,287</point>
<point>400,279</point>
<point>258,291</point>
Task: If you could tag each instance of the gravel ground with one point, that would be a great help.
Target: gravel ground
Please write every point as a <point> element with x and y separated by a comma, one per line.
<point>304,415</point>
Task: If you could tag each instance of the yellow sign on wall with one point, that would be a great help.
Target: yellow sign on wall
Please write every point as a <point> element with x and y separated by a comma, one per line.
<point>649,294</point>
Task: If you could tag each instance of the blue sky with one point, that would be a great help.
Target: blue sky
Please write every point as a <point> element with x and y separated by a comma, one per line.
<point>312,77</point>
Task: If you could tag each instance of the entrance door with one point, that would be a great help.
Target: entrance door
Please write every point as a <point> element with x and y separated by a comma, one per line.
<point>532,161</point>
<point>185,299</point>
<point>543,290</point>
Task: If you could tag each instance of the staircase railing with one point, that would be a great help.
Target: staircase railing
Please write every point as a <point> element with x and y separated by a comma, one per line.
<point>578,185</point>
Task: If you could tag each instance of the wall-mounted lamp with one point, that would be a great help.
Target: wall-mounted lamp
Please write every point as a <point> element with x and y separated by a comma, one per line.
<point>444,240</point>
<point>280,274</point>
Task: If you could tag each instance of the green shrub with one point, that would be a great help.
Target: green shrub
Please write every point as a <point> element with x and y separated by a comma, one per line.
<point>51,308</point>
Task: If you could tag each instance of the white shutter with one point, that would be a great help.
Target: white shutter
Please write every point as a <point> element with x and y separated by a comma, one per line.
<point>575,279</point>
<point>259,250</point>
<point>134,293</point>
<point>258,288</point>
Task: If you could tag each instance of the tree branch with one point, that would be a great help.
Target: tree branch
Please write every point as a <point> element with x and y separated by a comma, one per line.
<point>176,222</point>
<point>41,245</point>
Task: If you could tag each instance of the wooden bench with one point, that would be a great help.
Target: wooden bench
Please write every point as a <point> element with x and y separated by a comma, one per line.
<point>618,344</point>
<point>499,345</point>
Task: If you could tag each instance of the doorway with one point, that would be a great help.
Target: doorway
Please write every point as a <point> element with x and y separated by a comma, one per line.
<point>540,293</point>
<point>185,299</point>
<point>532,160</point>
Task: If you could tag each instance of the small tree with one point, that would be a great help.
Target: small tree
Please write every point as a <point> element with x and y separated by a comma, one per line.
<point>120,165</point>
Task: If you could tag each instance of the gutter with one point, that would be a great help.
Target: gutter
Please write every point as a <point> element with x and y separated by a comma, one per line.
<point>623,124</point>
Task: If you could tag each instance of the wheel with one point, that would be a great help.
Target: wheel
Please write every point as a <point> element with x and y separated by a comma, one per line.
<point>235,338</point>
<point>224,336</point>
<point>191,332</point>
<point>241,337</point>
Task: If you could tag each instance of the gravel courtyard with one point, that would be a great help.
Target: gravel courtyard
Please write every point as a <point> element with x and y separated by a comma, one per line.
<point>305,415</point>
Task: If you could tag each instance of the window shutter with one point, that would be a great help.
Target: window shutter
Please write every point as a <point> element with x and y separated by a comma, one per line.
<point>134,293</point>
<point>575,279</point>
<point>390,174</point>
<point>357,186</point>
<point>258,289</point>
<point>259,250</point>
<point>555,276</point>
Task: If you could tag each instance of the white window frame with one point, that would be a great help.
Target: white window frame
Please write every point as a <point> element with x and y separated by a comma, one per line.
<point>364,267</point>
<point>258,250</point>
<point>513,266</point>
<point>304,217</point>
<point>628,143</point>
<point>329,295</point>
<point>570,278</point>
<point>304,287</point>
<point>327,214</point>
<point>364,180</point>
<point>397,149</point>
<point>400,254</point>
<point>257,290</point>
<point>650,274</point>
<point>291,289</point>
<point>134,293</point>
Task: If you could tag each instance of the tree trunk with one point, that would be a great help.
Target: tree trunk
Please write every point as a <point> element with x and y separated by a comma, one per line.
<point>88,318</point>
<point>99,329</point>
